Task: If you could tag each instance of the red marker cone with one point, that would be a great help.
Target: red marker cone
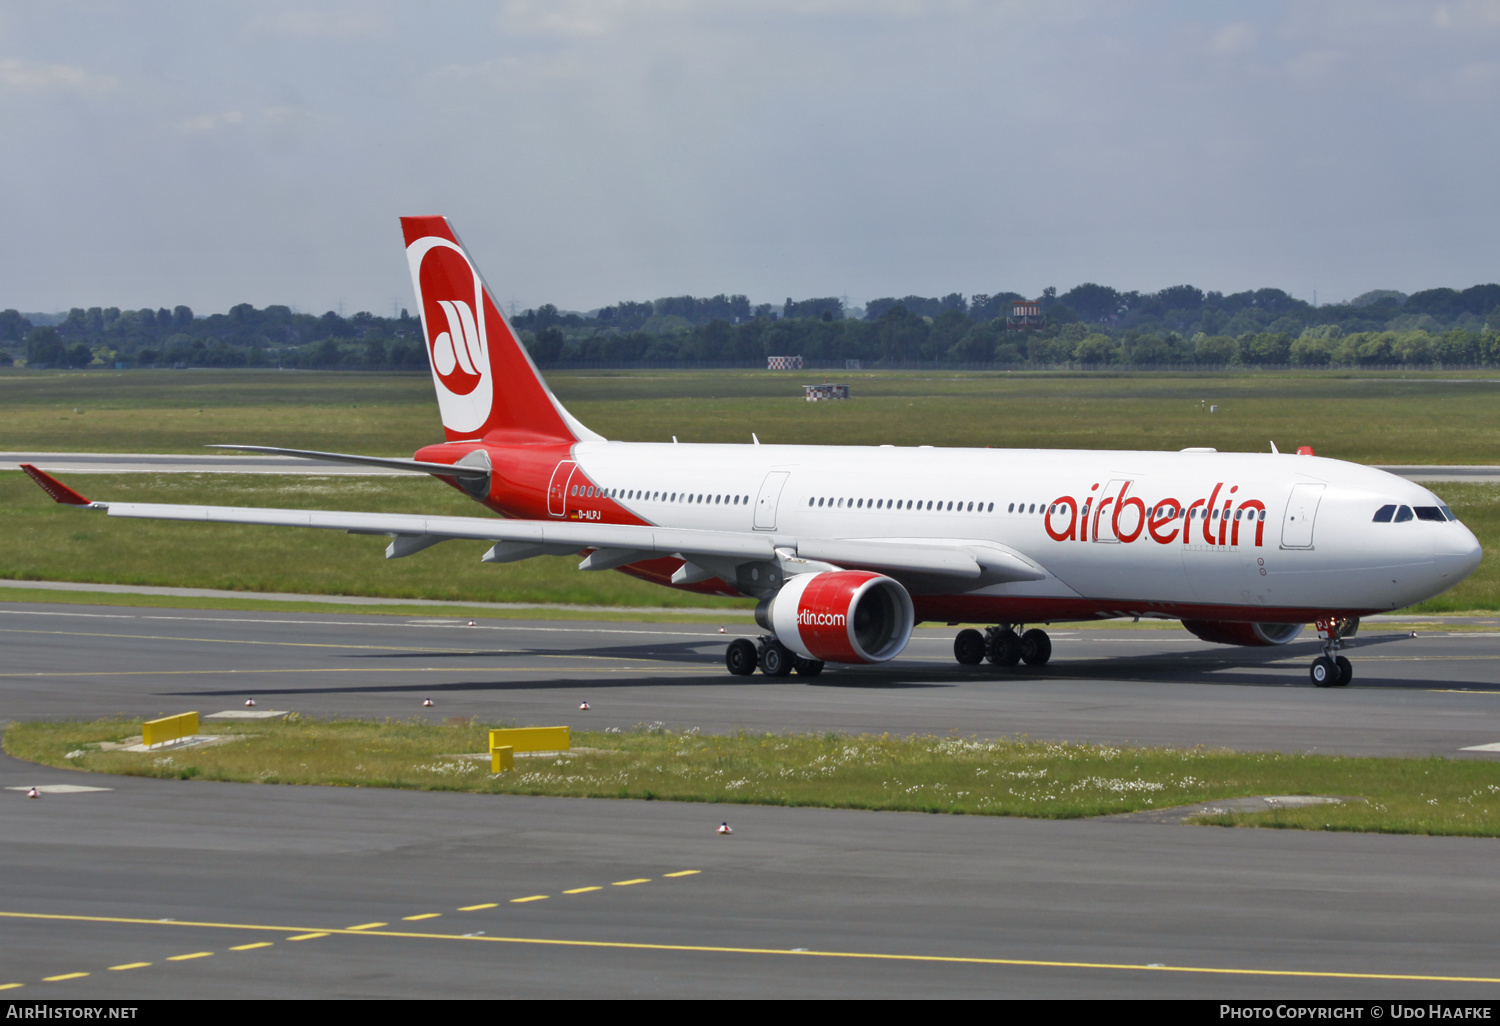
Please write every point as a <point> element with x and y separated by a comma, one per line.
<point>584,706</point>
<point>426,702</point>
<point>249,703</point>
<point>33,793</point>
<point>724,829</point>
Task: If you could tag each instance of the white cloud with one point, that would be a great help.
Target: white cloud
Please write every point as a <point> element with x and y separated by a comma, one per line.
<point>1230,40</point>
<point>209,122</point>
<point>36,77</point>
<point>346,25</point>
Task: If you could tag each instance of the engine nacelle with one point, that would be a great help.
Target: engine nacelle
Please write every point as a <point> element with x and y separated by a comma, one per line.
<point>1253,634</point>
<point>840,616</point>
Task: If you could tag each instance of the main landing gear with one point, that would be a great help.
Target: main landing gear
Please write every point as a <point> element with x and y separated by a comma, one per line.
<point>1330,670</point>
<point>1002,646</point>
<point>744,656</point>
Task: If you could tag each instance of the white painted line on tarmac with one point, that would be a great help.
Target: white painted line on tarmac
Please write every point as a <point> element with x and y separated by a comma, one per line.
<point>61,788</point>
<point>1493,746</point>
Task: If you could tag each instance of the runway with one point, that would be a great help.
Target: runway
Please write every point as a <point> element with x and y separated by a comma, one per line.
<point>187,888</point>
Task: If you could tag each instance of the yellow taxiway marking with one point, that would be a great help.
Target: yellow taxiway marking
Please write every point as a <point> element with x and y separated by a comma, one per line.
<point>308,936</point>
<point>682,872</point>
<point>627,883</point>
<point>476,908</point>
<point>251,947</point>
<point>129,965</point>
<point>424,915</point>
<point>11,986</point>
<point>366,926</point>
<point>581,890</point>
<point>534,897</point>
<point>64,976</point>
<point>184,958</point>
<point>878,956</point>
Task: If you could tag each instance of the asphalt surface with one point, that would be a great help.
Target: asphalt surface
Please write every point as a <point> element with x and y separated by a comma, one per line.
<point>797,902</point>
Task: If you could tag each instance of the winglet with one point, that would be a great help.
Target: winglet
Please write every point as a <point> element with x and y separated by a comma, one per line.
<point>55,488</point>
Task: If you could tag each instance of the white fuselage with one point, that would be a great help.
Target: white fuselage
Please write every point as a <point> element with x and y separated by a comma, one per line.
<point>1315,547</point>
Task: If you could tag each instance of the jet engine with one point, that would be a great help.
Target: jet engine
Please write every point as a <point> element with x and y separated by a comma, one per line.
<point>1254,634</point>
<point>840,616</point>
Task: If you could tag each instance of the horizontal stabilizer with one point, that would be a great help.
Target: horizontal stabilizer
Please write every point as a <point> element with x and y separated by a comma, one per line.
<point>477,473</point>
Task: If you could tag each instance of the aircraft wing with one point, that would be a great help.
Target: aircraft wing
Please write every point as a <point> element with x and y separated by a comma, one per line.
<point>613,545</point>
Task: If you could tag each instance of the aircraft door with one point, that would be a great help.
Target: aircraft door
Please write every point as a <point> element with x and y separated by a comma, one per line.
<point>557,491</point>
<point>1102,516</point>
<point>1301,512</point>
<point>770,495</point>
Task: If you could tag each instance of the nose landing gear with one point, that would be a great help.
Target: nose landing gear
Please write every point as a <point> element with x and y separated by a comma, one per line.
<point>1002,646</point>
<point>1330,670</point>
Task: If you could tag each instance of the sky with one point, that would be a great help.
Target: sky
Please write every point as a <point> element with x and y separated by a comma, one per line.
<point>589,151</point>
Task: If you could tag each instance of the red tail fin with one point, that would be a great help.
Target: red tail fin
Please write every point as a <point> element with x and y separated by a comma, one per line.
<point>487,386</point>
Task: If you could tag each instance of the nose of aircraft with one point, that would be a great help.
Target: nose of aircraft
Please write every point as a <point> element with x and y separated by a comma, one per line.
<point>1457,554</point>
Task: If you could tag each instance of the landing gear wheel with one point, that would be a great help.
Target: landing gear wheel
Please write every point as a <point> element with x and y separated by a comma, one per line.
<point>1004,648</point>
<point>968,647</point>
<point>1325,672</point>
<point>807,667</point>
<point>1346,671</point>
<point>741,657</point>
<point>776,659</point>
<point>1036,647</point>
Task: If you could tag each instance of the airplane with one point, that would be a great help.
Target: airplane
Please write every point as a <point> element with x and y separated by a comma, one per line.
<point>848,548</point>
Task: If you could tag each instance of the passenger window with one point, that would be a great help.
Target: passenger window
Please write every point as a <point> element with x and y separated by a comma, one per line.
<point>1431,513</point>
<point>1403,514</point>
<point>1012,508</point>
<point>991,509</point>
<point>1384,513</point>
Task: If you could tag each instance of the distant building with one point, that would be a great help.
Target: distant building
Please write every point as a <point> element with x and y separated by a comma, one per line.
<point>783,363</point>
<point>825,391</point>
<point>1025,314</point>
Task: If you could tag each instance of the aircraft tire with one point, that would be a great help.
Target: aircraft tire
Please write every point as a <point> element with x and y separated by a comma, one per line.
<point>1036,647</point>
<point>1346,671</point>
<point>968,647</point>
<point>1004,648</point>
<point>1324,672</point>
<point>776,660</point>
<point>740,657</point>
<point>807,667</point>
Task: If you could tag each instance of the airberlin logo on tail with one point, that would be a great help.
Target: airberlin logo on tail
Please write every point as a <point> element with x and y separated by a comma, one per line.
<point>807,618</point>
<point>458,322</point>
<point>455,336</point>
<point>1115,515</point>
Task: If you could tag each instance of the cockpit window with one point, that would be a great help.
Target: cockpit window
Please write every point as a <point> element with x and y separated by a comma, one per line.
<point>1431,513</point>
<point>1384,513</point>
<point>1448,513</point>
<point>1403,514</point>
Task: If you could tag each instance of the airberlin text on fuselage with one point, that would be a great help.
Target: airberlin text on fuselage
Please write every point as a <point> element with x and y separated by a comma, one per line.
<point>1117,515</point>
<point>807,618</point>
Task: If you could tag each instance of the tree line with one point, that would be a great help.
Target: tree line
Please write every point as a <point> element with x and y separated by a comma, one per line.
<point>1089,325</point>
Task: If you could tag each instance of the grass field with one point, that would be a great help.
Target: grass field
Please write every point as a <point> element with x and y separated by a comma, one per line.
<point>1007,777</point>
<point>1381,417</point>
<point>1371,417</point>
